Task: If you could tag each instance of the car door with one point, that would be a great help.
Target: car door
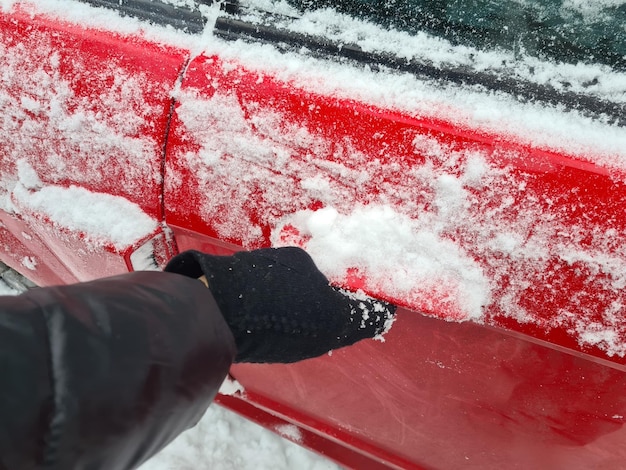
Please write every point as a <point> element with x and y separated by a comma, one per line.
<point>479,192</point>
<point>85,109</point>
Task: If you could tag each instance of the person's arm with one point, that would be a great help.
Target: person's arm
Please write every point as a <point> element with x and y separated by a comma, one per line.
<point>104,374</point>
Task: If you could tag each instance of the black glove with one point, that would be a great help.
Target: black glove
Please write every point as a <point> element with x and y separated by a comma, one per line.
<point>280,307</point>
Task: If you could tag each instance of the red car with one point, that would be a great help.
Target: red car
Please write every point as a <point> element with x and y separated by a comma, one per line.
<point>464,160</point>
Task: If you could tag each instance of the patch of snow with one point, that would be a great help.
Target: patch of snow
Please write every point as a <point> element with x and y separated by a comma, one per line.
<point>289,431</point>
<point>142,259</point>
<point>70,135</point>
<point>402,257</point>
<point>102,18</point>
<point>590,8</point>
<point>226,441</point>
<point>425,48</point>
<point>29,262</point>
<point>101,218</point>
<point>78,132</point>
<point>230,386</point>
<point>5,289</point>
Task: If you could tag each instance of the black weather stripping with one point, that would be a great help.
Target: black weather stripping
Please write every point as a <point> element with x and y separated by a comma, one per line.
<point>157,12</point>
<point>522,90</point>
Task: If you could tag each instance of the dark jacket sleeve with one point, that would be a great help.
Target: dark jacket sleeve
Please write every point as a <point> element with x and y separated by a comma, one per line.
<point>102,375</point>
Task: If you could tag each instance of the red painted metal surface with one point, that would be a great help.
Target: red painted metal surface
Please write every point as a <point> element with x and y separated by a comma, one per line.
<point>531,188</point>
<point>435,394</point>
<point>86,108</point>
<point>447,395</point>
<point>442,395</point>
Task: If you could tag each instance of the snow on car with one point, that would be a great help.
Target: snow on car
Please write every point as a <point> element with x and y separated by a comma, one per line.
<point>465,161</point>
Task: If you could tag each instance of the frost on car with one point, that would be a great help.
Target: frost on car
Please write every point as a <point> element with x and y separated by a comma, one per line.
<point>465,160</point>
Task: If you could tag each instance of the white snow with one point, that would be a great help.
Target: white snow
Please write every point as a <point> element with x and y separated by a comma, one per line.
<point>544,127</point>
<point>229,441</point>
<point>103,19</point>
<point>72,146</point>
<point>86,135</point>
<point>230,386</point>
<point>29,262</point>
<point>399,255</point>
<point>225,441</point>
<point>5,289</point>
<point>290,432</point>
<point>142,259</point>
<point>103,219</point>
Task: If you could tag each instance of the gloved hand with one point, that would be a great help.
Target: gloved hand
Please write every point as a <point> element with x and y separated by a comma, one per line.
<point>280,307</point>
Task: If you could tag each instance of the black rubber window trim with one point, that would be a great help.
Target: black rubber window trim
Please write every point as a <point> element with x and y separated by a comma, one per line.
<point>157,12</point>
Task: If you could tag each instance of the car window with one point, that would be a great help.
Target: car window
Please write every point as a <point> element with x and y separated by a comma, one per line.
<point>563,30</point>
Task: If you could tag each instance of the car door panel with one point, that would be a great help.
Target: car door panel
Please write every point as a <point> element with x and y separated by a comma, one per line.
<point>251,158</point>
<point>86,109</point>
